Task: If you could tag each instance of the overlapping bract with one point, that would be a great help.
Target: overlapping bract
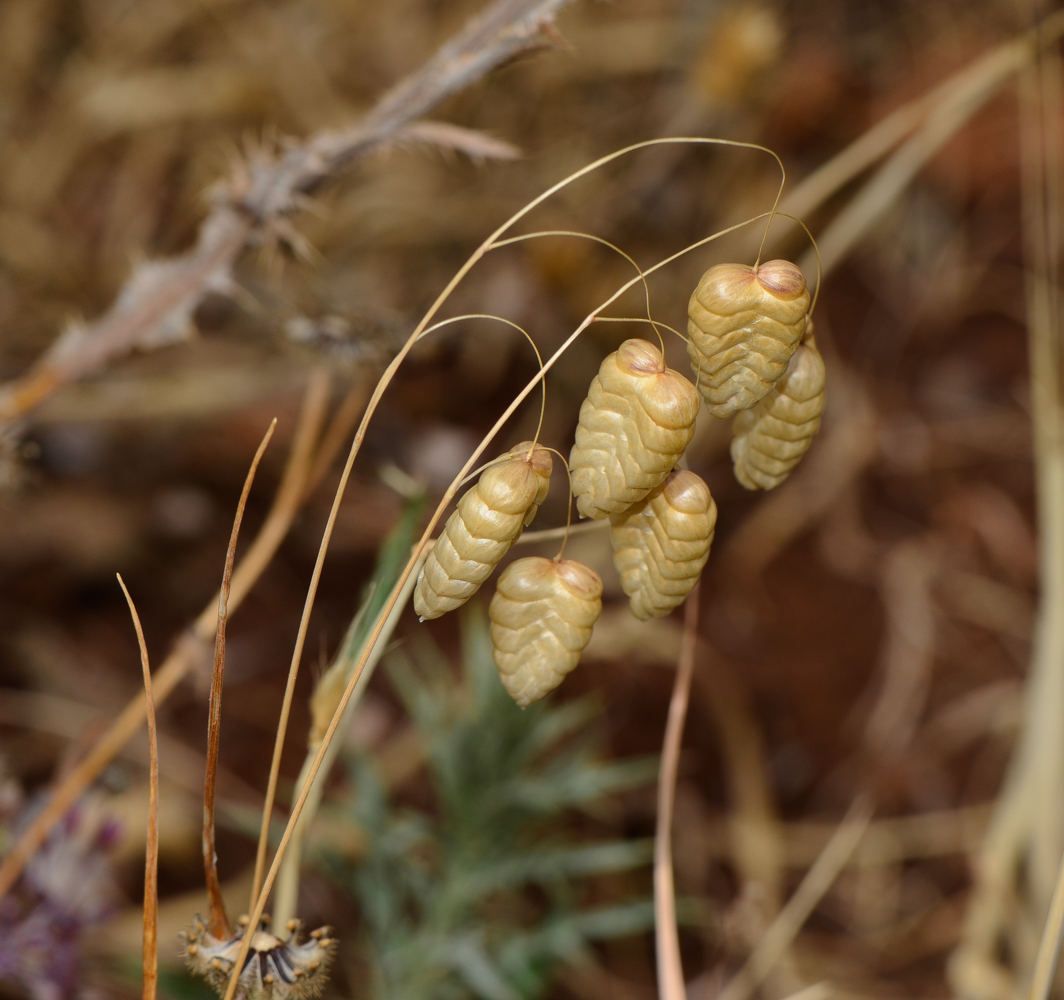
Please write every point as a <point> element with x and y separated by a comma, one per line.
<point>744,325</point>
<point>488,520</point>
<point>541,620</point>
<point>274,970</point>
<point>635,423</point>
<point>771,439</point>
<point>661,544</point>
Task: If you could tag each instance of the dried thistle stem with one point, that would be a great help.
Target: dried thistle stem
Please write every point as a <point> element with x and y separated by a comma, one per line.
<point>158,300</point>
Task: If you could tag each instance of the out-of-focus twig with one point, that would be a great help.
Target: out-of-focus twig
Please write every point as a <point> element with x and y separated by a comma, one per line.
<point>156,305</point>
<point>905,586</point>
<point>191,648</point>
<point>922,126</point>
<point>670,967</point>
<point>1045,965</point>
<point>150,941</point>
<point>1021,854</point>
<point>817,881</point>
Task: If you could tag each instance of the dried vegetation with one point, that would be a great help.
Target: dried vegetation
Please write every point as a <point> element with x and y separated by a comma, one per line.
<point>212,215</point>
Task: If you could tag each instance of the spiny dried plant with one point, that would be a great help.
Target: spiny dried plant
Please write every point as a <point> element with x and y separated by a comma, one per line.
<point>272,969</point>
<point>661,544</point>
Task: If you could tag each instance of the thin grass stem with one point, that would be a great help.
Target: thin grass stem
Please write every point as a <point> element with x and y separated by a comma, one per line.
<point>150,940</point>
<point>666,933</point>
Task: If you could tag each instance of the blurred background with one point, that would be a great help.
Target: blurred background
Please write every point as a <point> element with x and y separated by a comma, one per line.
<point>865,628</point>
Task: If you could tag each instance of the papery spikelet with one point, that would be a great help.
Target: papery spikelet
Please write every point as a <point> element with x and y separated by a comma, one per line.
<point>638,418</point>
<point>274,969</point>
<point>489,518</point>
<point>661,544</point>
<point>744,325</point>
<point>541,620</point>
<point>771,439</point>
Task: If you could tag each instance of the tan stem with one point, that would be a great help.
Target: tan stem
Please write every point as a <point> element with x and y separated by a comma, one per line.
<point>219,922</point>
<point>666,934</point>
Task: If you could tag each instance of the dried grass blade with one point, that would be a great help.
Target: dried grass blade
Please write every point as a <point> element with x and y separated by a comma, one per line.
<point>219,921</point>
<point>1023,840</point>
<point>667,938</point>
<point>287,501</point>
<point>150,945</point>
<point>885,187</point>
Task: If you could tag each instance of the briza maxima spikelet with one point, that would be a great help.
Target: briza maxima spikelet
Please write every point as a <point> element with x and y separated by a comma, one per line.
<point>744,325</point>
<point>661,544</point>
<point>541,619</point>
<point>638,418</point>
<point>771,439</point>
<point>489,518</point>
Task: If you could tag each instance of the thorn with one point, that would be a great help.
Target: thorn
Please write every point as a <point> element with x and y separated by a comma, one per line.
<point>549,29</point>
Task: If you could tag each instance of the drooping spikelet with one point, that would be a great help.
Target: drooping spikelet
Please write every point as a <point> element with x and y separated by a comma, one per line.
<point>274,970</point>
<point>489,518</point>
<point>744,326</point>
<point>638,418</point>
<point>541,620</point>
<point>661,544</point>
<point>771,439</point>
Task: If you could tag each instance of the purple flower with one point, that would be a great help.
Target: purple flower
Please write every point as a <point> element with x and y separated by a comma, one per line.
<point>67,886</point>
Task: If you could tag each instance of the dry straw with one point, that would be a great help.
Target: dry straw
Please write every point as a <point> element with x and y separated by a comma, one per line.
<point>150,942</point>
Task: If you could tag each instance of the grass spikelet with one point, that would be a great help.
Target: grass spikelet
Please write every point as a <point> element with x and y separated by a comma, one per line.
<point>489,519</point>
<point>661,544</point>
<point>771,439</point>
<point>638,418</point>
<point>541,620</point>
<point>744,325</point>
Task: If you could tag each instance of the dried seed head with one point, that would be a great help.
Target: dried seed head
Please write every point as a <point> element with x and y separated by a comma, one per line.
<point>771,439</point>
<point>638,418</point>
<point>541,620</point>
<point>661,544</point>
<point>488,520</point>
<point>744,325</point>
<point>274,970</point>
